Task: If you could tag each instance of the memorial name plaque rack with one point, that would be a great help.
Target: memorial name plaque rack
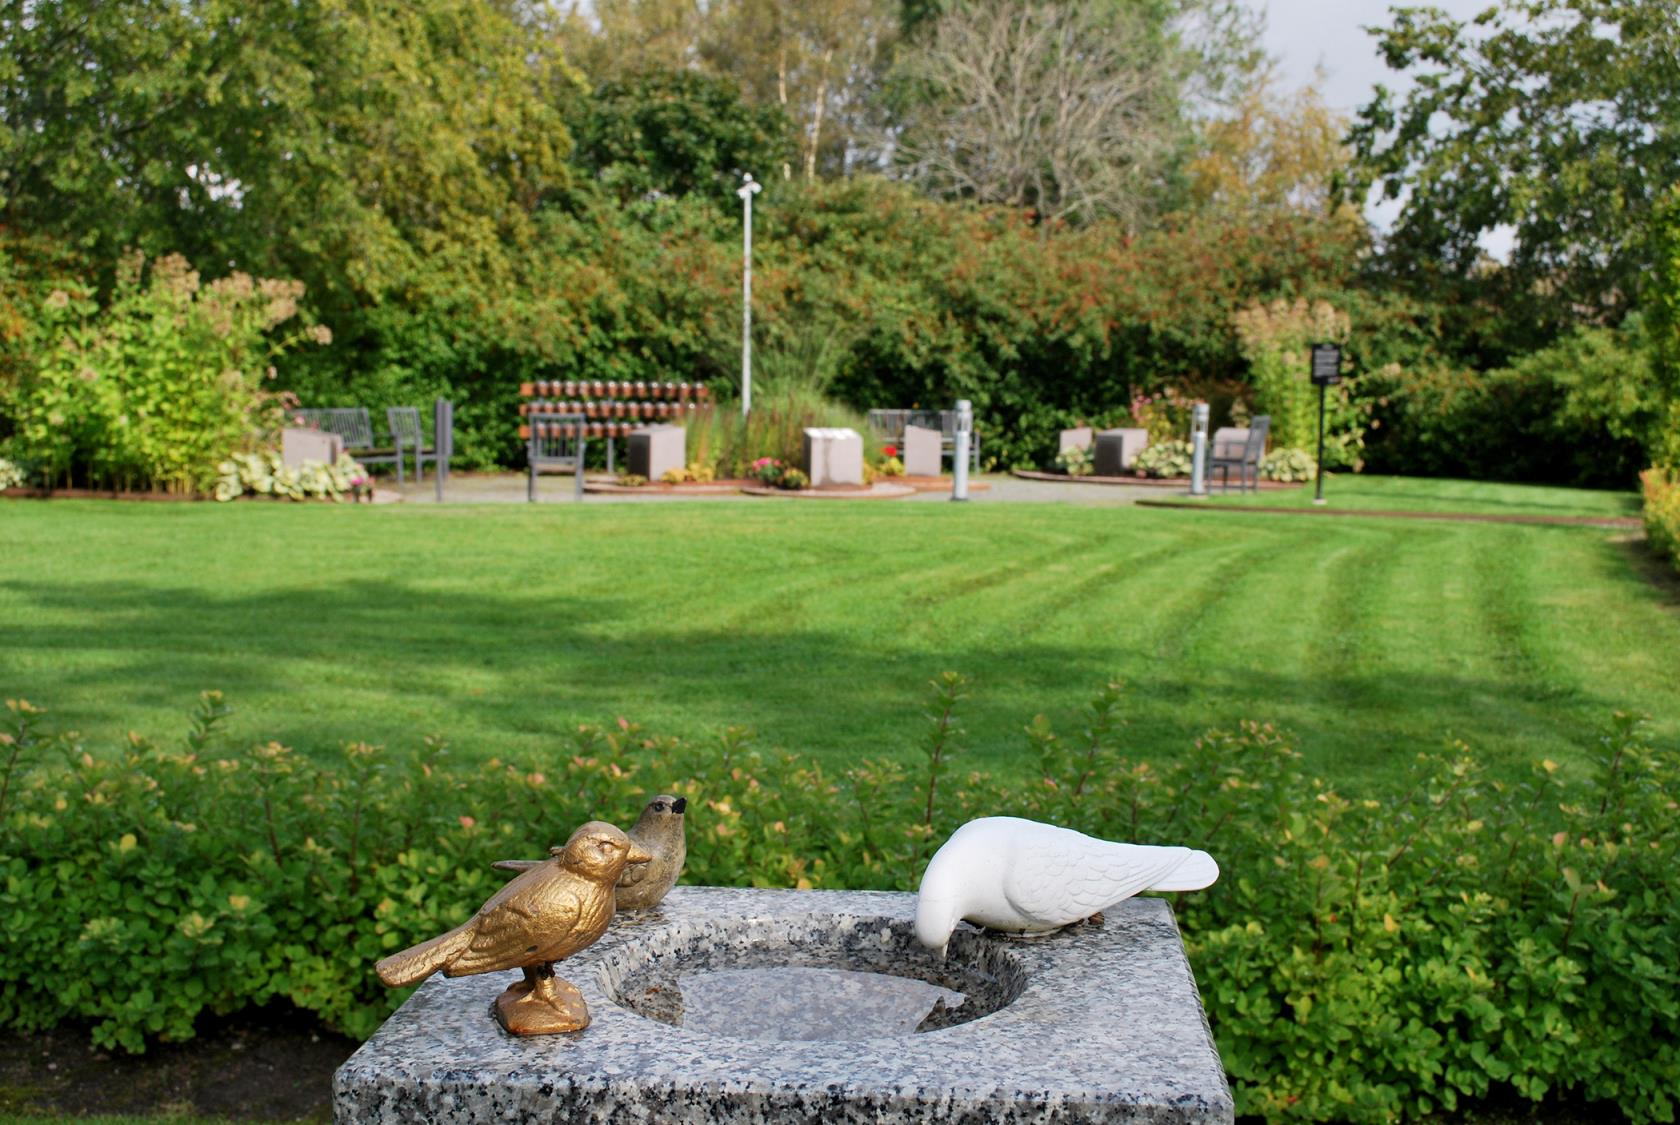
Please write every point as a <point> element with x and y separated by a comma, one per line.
<point>611,408</point>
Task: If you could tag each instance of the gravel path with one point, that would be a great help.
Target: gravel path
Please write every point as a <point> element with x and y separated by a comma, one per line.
<point>509,488</point>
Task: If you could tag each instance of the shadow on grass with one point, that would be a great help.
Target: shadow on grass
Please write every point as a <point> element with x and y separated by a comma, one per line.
<point>508,674</point>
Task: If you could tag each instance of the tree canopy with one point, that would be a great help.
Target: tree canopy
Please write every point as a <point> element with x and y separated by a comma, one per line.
<point>1559,119</point>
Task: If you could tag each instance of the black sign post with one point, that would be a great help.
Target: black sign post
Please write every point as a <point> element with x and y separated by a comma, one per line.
<point>1326,372</point>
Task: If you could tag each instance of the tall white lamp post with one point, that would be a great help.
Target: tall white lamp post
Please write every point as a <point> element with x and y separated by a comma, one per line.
<point>749,188</point>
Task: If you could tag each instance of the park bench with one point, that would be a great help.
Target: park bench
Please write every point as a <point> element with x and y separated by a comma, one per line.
<point>353,425</point>
<point>1239,449</point>
<point>889,427</point>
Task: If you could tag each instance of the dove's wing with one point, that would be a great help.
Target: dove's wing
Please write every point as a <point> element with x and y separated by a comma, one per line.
<point>515,864</point>
<point>1062,876</point>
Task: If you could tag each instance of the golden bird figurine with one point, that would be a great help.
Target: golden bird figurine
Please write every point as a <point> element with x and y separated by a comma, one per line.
<point>659,832</point>
<point>558,907</point>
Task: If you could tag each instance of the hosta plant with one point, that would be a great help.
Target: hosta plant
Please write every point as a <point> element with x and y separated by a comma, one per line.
<point>266,474</point>
<point>1075,461</point>
<point>1169,459</point>
<point>1291,466</point>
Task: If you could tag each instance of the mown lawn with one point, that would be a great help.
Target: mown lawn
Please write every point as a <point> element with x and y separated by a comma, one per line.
<point>819,625</point>
<point>1417,494</point>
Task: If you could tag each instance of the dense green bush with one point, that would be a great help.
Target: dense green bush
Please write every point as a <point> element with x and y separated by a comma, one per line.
<point>1662,305</point>
<point>1277,340</point>
<point>1662,512</point>
<point>156,386</point>
<point>1361,959</point>
<point>1583,411</point>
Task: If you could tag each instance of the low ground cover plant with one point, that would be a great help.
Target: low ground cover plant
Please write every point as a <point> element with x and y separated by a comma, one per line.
<point>1075,461</point>
<point>1291,466</point>
<point>1362,958</point>
<point>265,474</point>
<point>1165,460</point>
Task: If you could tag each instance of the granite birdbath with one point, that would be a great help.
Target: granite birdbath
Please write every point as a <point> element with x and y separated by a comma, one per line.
<point>727,1005</point>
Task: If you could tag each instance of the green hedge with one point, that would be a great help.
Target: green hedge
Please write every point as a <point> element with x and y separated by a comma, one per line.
<point>1662,512</point>
<point>1361,959</point>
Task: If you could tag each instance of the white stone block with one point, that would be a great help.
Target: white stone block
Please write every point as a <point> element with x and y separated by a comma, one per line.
<point>833,455</point>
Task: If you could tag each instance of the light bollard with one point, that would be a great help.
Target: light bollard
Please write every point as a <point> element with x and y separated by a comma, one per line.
<point>1198,449</point>
<point>959,452</point>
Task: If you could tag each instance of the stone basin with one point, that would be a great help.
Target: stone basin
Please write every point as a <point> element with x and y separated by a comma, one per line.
<point>810,977</point>
<point>730,1005</point>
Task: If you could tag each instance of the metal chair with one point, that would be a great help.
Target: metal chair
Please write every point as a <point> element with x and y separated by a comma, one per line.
<point>1242,454</point>
<point>405,431</point>
<point>556,441</point>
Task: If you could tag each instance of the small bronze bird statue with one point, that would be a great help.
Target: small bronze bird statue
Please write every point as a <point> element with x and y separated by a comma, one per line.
<point>658,831</point>
<point>559,906</point>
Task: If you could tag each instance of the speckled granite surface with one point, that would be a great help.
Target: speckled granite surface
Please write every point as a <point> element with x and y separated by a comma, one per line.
<point>1096,1024</point>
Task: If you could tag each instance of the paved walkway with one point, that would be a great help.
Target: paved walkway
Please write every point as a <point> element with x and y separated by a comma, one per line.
<point>509,488</point>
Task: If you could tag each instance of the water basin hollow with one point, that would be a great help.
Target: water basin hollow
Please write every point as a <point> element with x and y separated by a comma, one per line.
<point>824,977</point>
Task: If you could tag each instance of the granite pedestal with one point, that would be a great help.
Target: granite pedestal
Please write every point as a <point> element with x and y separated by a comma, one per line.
<point>1080,437</point>
<point>656,450</point>
<point>1094,1024</point>
<point>923,451</point>
<point>1115,450</point>
<point>298,445</point>
<point>833,455</point>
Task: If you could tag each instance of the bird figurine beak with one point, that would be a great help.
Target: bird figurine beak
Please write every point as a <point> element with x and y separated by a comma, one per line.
<point>638,854</point>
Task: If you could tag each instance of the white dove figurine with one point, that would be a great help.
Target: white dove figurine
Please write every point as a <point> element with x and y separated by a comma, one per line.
<point>1021,876</point>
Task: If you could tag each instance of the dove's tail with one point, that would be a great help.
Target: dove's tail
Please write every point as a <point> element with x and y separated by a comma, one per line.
<point>414,965</point>
<point>1197,870</point>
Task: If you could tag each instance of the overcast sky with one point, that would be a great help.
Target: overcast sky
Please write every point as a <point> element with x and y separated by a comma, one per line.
<point>1302,34</point>
<point>1305,33</point>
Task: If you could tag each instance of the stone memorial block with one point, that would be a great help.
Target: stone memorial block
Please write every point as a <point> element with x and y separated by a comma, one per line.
<point>1229,442</point>
<point>833,455</point>
<point>921,451</point>
<point>656,450</point>
<point>1114,450</point>
<point>298,444</point>
<point>1079,437</point>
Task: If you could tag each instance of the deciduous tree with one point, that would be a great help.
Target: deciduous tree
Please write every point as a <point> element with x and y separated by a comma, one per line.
<point>1557,118</point>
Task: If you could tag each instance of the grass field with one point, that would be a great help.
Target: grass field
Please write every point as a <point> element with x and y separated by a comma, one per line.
<point>1416,494</point>
<point>819,625</point>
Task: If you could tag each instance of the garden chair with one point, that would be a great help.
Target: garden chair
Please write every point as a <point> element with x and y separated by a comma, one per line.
<point>405,431</point>
<point>556,441</point>
<point>1240,450</point>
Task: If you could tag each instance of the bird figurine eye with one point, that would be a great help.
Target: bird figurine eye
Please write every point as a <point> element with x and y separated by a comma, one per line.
<point>659,806</point>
